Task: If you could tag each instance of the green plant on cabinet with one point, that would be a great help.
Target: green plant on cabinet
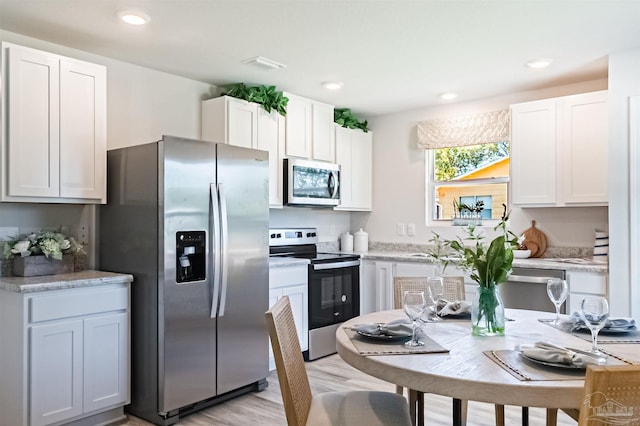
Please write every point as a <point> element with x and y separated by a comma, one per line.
<point>346,118</point>
<point>267,96</point>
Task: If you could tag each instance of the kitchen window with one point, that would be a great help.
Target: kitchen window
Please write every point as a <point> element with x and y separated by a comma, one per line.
<point>467,165</point>
<point>465,176</point>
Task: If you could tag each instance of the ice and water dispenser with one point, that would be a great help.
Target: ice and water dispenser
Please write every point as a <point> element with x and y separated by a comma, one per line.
<point>190,256</point>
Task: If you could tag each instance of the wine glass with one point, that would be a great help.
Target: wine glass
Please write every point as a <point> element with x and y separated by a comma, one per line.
<point>435,286</point>
<point>414,306</point>
<point>557,290</point>
<point>594,311</point>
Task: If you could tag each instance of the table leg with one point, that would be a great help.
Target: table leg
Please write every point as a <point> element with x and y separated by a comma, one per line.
<point>499,415</point>
<point>525,416</point>
<point>460,412</point>
<point>416,407</point>
<point>552,416</point>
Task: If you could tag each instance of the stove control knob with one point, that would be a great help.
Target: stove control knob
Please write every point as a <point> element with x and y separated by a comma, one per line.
<point>344,298</point>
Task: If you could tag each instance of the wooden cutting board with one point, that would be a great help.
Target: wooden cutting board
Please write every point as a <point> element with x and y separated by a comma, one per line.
<point>535,240</point>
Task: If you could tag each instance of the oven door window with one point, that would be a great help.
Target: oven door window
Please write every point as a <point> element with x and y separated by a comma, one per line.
<point>333,296</point>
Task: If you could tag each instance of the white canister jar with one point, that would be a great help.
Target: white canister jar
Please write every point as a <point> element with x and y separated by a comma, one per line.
<point>361,241</point>
<point>346,242</point>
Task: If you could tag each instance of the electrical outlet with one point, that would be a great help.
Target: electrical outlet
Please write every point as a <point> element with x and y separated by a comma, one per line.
<point>411,229</point>
<point>400,229</point>
<point>83,235</point>
<point>8,233</point>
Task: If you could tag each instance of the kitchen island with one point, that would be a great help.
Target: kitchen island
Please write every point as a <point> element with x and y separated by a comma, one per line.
<point>65,348</point>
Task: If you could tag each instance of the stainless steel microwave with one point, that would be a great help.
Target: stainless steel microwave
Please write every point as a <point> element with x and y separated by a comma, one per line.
<point>311,183</point>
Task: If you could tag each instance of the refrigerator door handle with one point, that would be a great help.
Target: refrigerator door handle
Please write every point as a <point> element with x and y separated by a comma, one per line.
<point>224,233</point>
<point>215,247</point>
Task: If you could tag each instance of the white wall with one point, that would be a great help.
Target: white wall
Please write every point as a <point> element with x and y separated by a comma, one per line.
<point>399,178</point>
<point>624,81</point>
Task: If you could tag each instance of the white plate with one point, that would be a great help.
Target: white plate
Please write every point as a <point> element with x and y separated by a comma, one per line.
<point>552,364</point>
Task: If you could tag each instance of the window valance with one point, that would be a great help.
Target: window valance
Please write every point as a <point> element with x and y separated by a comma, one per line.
<point>489,127</point>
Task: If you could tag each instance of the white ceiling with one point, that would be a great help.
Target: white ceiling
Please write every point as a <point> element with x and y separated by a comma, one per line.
<point>392,55</point>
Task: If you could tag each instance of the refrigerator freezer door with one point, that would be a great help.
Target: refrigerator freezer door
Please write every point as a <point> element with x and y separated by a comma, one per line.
<point>242,333</point>
<point>187,346</point>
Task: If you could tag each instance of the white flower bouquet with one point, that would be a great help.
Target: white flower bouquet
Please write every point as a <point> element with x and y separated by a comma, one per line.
<point>49,243</point>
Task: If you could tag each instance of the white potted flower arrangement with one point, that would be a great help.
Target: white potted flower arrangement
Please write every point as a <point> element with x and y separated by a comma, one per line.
<point>42,253</point>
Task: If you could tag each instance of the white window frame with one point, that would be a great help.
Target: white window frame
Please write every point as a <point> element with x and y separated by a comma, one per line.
<point>430,184</point>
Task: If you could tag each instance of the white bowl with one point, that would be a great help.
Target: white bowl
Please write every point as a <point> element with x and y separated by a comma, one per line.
<point>521,254</point>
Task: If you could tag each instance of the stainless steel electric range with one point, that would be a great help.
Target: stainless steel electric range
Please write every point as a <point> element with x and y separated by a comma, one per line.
<point>333,284</point>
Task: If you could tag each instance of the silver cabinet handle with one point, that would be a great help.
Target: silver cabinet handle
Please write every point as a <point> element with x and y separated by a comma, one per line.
<point>528,279</point>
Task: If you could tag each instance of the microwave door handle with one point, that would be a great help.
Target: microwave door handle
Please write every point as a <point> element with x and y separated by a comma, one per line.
<point>333,190</point>
<point>224,247</point>
<point>215,248</point>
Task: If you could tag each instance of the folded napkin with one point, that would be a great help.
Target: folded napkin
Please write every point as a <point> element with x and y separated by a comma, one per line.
<point>400,327</point>
<point>549,352</point>
<point>612,323</point>
<point>453,308</point>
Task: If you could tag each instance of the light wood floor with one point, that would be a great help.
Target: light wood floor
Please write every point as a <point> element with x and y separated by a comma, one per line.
<point>332,374</point>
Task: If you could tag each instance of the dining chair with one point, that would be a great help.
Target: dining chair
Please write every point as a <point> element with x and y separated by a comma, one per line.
<point>611,396</point>
<point>366,408</point>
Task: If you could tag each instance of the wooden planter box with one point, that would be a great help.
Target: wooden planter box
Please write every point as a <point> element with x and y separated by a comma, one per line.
<point>31,266</point>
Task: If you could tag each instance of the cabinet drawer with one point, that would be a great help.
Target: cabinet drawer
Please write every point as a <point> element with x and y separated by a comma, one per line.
<point>587,282</point>
<point>68,303</point>
<point>281,277</point>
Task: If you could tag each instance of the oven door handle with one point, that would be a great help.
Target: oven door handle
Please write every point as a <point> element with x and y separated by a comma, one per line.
<point>335,265</point>
<point>528,279</point>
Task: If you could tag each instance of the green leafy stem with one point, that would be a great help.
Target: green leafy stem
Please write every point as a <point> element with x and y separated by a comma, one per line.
<point>267,96</point>
<point>345,118</point>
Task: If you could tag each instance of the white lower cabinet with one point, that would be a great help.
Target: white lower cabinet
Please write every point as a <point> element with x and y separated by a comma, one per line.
<point>291,281</point>
<point>77,354</point>
<point>584,284</point>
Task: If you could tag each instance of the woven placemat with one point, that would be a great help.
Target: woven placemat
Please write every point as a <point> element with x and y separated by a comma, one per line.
<point>367,346</point>
<point>524,370</point>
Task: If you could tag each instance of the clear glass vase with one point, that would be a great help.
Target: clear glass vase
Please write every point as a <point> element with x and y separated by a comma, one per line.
<point>487,312</point>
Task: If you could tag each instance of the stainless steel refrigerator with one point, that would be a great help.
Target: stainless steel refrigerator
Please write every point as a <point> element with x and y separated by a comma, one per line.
<point>189,219</point>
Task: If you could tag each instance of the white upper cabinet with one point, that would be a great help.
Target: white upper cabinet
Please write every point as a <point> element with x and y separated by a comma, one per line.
<point>54,140</point>
<point>559,151</point>
<point>354,155</point>
<point>230,120</point>
<point>309,129</point>
<point>246,124</point>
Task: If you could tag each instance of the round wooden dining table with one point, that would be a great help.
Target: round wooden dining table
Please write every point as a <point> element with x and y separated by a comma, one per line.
<point>465,372</point>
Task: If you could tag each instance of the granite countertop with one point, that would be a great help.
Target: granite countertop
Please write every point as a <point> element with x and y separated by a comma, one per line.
<point>567,264</point>
<point>283,262</point>
<point>62,281</point>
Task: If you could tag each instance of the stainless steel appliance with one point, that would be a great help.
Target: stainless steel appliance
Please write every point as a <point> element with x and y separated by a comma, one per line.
<point>189,220</point>
<point>333,283</point>
<point>526,288</point>
<point>311,183</point>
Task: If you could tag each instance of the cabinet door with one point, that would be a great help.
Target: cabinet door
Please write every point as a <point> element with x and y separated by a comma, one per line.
<point>384,286</point>
<point>345,160</point>
<point>83,130</point>
<point>583,131</point>
<point>361,170</point>
<point>242,123</point>
<point>32,145</point>
<point>367,287</point>
<point>271,138</point>
<point>106,363</point>
<point>298,127</point>
<point>56,368</point>
<point>324,144</point>
<point>533,153</point>
<point>299,306</point>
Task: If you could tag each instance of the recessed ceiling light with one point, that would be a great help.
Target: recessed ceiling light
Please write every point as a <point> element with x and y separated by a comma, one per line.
<point>332,85</point>
<point>263,62</point>
<point>539,63</point>
<point>447,96</point>
<point>133,17</point>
